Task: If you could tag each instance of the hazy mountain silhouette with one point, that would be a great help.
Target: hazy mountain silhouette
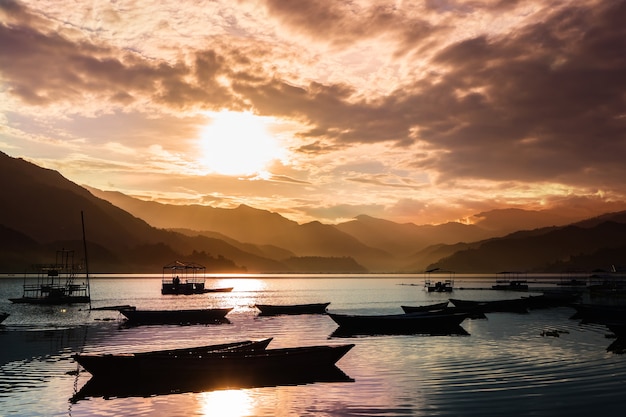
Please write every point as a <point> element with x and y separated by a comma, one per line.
<point>584,246</point>
<point>40,213</point>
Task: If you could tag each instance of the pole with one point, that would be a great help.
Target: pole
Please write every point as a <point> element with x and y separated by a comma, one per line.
<point>82,219</point>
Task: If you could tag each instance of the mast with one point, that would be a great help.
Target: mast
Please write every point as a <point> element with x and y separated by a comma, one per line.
<point>82,219</point>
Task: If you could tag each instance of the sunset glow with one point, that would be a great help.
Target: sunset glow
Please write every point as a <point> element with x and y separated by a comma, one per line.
<point>422,112</point>
<point>238,144</point>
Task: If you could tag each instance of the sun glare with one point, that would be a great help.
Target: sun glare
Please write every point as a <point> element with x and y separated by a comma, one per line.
<point>238,144</point>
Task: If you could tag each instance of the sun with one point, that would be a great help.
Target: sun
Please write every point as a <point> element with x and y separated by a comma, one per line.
<point>238,143</point>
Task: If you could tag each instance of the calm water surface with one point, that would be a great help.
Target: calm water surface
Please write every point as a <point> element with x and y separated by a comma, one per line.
<point>505,365</point>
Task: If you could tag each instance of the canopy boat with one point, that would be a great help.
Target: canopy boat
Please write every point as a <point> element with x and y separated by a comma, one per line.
<point>516,305</point>
<point>439,285</point>
<point>57,283</point>
<point>186,278</point>
<point>277,309</point>
<point>3,316</point>
<point>195,316</point>
<point>222,363</point>
<point>414,323</point>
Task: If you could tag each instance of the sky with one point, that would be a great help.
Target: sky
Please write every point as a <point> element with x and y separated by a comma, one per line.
<point>411,111</point>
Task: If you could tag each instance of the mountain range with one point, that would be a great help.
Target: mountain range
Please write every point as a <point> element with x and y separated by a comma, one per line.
<point>41,213</point>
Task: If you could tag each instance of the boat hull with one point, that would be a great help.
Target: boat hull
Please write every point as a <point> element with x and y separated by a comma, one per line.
<point>275,309</point>
<point>200,316</point>
<point>413,323</point>
<point>221,363</point>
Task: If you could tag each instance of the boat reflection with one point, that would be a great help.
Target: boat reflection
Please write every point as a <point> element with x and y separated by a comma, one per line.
<point>108,388</point>
<point>229,403</point>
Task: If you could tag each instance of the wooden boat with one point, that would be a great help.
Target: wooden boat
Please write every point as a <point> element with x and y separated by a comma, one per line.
<point>552,299</point>
<point>414,323</point>
<point>58,283</point>
<point>197,316</point>
<point>516,305</point>
<point>219,363</point>
<point>277,309</point>
<point>186,278</point>
<point>429,307</point>
<point>167,385</point>
<point>3,316</point>
<point>511,285</point>
<point>599,313</point>
<point>97,363</point>
<point>473,313</point>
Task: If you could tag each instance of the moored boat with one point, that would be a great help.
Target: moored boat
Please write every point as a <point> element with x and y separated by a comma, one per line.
<point>192,316</point>
<point>186,278</point>
<point>219,363</point>
<point>599,313</point>
<point>512,285</point>
<point>473,313</point>
<point>516,305</point>
<point>412,323</point>
<point>277,309</point>
<point>428,307</point>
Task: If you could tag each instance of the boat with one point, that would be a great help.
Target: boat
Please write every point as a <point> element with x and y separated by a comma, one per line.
<point>599,313</point>
<point>186,278</point>
<point>428,307</point>
<point>102,387</point>
<point>516,305</point>
<point>433,285</point>
<point>277,309</point>
<point>223,363</point>
<point>473,313</point>
<point>99,363</point>
<point>511,285</point>
<point>3,316</point>
<point>58,283</point>
<point>413,323</point>
<point>194,316</point>
<point>552,299</point>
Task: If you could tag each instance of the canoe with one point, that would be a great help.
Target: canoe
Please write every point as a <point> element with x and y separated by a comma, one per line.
<point>552,299</point>
<point>473,313</point>
<point>199,316</point>
<point>276,309</point>
<point>219,363</point>
<point>103,363</point>
<point>516,305</point>
<point>166,385</point>
<point>429,307</point>
<point>413,323</point>
<point>599,313</point>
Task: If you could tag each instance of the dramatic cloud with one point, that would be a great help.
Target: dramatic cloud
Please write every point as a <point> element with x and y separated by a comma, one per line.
<point>414,111</point>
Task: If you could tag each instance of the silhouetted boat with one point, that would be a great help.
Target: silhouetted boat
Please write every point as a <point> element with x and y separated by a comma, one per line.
<point>473,313</point>
<point>276,309</point>
<point>413,323</point>
<point>551,299</point>
<point>132,363</point>
<point>517,305</point>
<point>599,313</point>
<point>3,316</point>
<point>186,278</point>
<point>223,363</point>
<point>166,385</point>
<point>428,307</point>
<point>57,283</point>
<point>511,285</point>
<point>196,316</point>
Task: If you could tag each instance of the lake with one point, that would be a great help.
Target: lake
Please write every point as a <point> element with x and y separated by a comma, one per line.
<point>505,365</point>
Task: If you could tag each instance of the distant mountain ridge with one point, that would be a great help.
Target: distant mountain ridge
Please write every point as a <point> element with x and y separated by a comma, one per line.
<point>40,211</point>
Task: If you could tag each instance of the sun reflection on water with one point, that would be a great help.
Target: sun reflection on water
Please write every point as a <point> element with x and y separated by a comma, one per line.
<point>227,403</point>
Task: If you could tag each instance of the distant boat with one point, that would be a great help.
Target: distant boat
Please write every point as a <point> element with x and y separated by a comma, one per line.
<point>225,363</point>
<point>3,316</point>
<point>186,278</point>
<point>57,283</point>
<point>511,285</point>
<point>413,323</point>
<point>277,309</point>
<point>439,285</point>
<point>428,307</point>
<point>197,316</point>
